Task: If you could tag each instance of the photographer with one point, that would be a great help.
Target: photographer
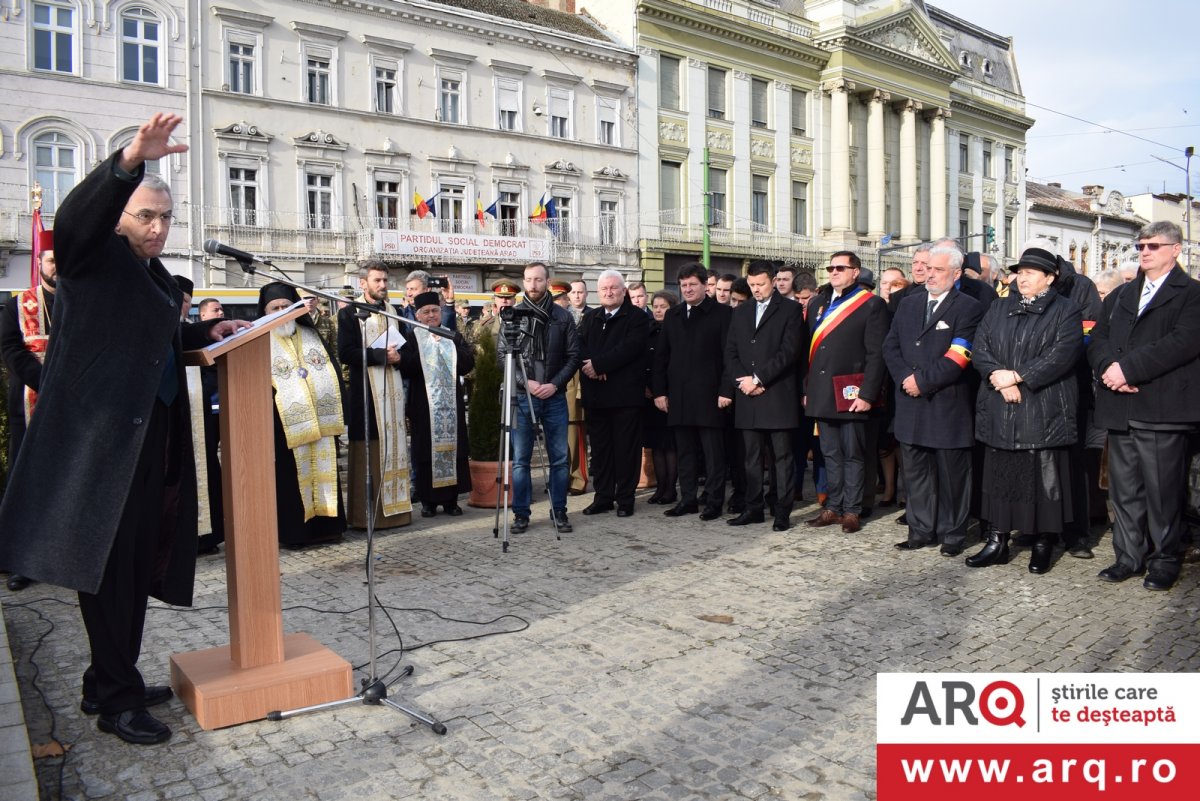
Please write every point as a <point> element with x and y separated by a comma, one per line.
<point>543,335</point>
<point>418,282</point>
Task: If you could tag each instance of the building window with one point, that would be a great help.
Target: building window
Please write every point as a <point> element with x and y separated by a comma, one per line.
<point>606,114</point>
<point>559,101</point>
<point>241,67</point>
<point>55,157</point>
<point>319,72</point>
<point>987,160</point>
<point>243,196</point>
<point>608,222</point>
<point>449,97</point>
<point>320,201</point>
<point>964,227</point>
<point>668,82</point>
<point>799,112</point>
<point>565,213</point>
<point>799,208</point>
<point>450,208</point>
<point>508,104</point>
<point>717,186</point>
<point>53,37</point>
<point>1009,175</point>
<point>758,102</point>
<point>1010,240</point>
<point>139,46</point>
<point>387,204</point>
<point>510,213</point>
<point>386,89</point>
<point>669,176</point>
<point>716,93</point>
<point>760,186</point>
<point>964,153</point>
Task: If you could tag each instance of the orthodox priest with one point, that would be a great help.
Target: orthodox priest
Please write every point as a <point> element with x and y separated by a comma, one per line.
<point>382,428</point>
<point>308,420</point>
<point>433,365</point>
<point>24,336</point>
<point>117,522</point>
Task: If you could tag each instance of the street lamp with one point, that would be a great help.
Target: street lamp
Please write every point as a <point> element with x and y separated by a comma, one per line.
<point>1188,152</point>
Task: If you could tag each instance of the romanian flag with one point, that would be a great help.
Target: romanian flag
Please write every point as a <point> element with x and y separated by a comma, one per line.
<point>479,212</point>
<point>420,206</point>
<point>1088,325</point>
<point>539,211</point>
<point>552,216</point>
<point>36,247</point>
<point>960,352</point>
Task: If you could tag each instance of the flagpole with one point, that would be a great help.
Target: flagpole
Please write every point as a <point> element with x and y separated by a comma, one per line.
<point>706,254</point>
<point>35,250</point>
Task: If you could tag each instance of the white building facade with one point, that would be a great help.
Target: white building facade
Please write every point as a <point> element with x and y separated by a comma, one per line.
<point>1094,229</point>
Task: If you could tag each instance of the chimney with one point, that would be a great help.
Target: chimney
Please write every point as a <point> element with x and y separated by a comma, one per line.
<point>1093,190</point>
<point>565,6</point>
<point>1054,185</point>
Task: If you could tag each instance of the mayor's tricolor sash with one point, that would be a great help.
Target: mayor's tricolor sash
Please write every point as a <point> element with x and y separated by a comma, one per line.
<point>836,314</point>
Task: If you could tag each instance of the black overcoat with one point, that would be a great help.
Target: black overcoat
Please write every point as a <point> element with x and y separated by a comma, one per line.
<point>944,414</point>
<point>689,365</point>
<point>854,346</point>
<point>617,348</point>
<point>1159,353</point>
<point>98,387</point>
<point>771,351</point>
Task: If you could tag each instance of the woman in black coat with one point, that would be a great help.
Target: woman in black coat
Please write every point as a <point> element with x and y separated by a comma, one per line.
<point>1026,349</point>
<point>656,434</point>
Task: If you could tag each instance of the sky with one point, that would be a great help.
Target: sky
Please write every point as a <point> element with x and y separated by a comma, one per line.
<point>1122,66</point>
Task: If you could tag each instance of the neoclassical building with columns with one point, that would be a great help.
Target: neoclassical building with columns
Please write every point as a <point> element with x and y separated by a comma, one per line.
<point>818,126</point>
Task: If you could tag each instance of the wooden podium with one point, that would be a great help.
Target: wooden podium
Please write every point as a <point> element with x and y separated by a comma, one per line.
<point>261,670</point>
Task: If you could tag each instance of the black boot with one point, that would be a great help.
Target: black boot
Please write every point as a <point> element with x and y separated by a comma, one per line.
<point>995,550</point>
<point>1043,549</point>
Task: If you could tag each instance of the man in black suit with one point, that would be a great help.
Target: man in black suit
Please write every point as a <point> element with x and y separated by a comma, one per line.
<point>928,352</point>
<point>612,345</point>
<point>1145,350</point>
<point>102,498</point>
<point>686,382</point>
<point>763,361</point>
<point>845,381</point>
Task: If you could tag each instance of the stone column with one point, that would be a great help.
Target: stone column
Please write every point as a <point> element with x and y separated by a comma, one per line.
<point>908,171</point>
<point>876,166</point>
<point>938,196</point>
<point>839,154</point>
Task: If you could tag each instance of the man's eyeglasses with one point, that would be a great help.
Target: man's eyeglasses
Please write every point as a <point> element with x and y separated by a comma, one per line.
<point>1153,246</point>
<point>837,268</point>
<point>148,217</point>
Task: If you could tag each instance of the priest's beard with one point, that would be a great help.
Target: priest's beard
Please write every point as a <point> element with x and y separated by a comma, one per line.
<point>287,329</point>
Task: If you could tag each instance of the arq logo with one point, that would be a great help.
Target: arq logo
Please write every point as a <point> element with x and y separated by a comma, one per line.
<point>1000,704</point>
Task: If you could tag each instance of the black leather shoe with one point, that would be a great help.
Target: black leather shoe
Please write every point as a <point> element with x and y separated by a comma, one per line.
<point>736,508</point>
<point>911,546</point>
<point>428,510</point>
<point>781,524</point>
<point>951,550</point>
<point>519,525</point>
<point>454,510</point>
<point>624,511</point>
<point>902,520</point>
<point>154,696</point>
<point>207,550</point>
<point>679,510</point>
<point>598,507</point>
<point>710,514</point>
<point>16,582</point>
<point>561,524</point>
<point>135,726</point>
<point>746,518</point>
<point>1115,574</point>
<point>1159,582</point>
<point>1039,557</point>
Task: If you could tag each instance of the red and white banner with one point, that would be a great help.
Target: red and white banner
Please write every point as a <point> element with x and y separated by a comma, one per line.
<point>1054,736</point>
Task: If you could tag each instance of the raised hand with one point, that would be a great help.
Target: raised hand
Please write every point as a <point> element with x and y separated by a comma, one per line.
<point>152,142</point>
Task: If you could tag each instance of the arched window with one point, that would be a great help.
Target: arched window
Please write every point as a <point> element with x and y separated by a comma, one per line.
<point>141,45</point>
<point>56,160</point>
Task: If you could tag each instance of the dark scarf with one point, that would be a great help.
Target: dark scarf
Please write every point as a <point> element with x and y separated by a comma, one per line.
<point>535,327</point>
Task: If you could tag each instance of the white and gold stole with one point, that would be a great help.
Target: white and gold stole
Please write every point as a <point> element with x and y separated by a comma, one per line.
<point>387,393</point>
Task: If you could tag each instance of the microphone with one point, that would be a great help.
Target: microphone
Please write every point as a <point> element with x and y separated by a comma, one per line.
<point>215,248</point>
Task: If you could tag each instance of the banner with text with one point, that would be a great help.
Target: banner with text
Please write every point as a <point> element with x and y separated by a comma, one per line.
<point>465,247</point>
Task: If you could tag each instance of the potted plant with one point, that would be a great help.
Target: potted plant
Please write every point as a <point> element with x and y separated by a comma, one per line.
<point>484,422</point>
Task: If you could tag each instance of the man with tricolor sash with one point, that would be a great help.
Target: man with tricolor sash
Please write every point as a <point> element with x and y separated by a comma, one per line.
<point>24,335</point>
<point>928,352</point>
<point>845,382</point>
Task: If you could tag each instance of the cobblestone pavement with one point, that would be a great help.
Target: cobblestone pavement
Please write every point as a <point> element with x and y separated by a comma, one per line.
<point>619,688</point>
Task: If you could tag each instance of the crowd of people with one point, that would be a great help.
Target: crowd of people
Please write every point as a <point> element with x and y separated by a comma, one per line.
<point>1011,397</point>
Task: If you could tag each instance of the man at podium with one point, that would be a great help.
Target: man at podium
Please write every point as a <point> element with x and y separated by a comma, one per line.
<point>102,498</point>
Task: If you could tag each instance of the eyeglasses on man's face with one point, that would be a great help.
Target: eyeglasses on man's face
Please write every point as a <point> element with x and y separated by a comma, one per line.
<point>1152,246</point>
<point>148,217</point>
<point>837,268</point>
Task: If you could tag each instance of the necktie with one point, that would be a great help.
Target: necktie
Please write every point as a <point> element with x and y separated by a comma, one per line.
<point>1147,292</point>
<point>929,310</point>
<point>687,315</point>
<point>758,312</point>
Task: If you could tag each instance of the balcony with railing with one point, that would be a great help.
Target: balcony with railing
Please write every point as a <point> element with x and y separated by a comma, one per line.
<point>762,13</point>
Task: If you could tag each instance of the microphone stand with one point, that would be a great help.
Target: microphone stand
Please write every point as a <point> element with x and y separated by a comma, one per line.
<point>374,690</point>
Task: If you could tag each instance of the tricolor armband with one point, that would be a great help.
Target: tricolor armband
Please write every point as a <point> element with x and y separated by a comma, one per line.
<point>1088,325</point>
<point>959,352</point>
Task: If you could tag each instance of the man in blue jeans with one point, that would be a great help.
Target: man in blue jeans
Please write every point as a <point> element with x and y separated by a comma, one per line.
<point>544,335</point>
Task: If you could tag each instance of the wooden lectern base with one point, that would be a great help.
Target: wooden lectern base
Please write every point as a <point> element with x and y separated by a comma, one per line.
<point>221,694</point>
